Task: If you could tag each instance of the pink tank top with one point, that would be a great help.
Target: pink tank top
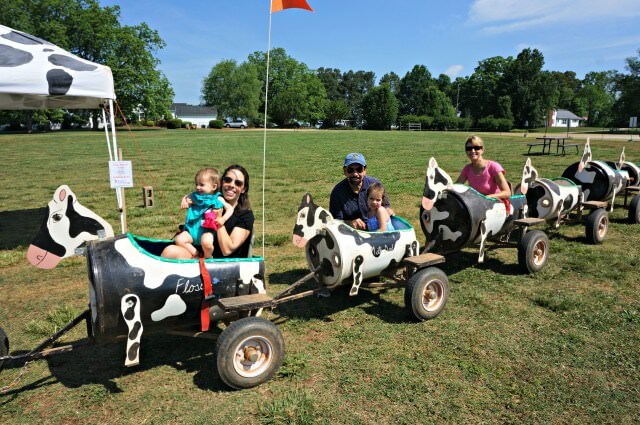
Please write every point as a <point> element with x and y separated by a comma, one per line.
<point>484,182</point>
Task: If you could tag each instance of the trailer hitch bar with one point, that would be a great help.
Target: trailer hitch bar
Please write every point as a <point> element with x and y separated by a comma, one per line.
<point>39,350</point>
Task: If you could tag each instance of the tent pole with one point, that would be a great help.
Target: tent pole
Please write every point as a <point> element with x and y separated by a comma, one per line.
<point>106,132</point>
<point>119,190</point>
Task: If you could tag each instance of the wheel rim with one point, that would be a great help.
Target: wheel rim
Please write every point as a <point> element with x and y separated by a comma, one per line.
<point>433,295</point>
<point>603,225</point>
<point>539,252</point>
<point>252,356</point>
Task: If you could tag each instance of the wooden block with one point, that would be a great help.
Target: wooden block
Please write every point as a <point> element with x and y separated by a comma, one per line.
<point>246,302</point>
<point>424,259</point>
<point>594,204</point>
<point>528,221</point>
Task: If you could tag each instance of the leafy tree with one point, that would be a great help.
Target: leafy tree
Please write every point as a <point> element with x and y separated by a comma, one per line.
<point>335,110</point>
<point>597,94</point>
<point>355,85</point>
<point>480,92</point>
<point>530,89</point>
<point>331,78</point>
<point>393,80</point>
<point>412,88</point>
<point>94,33</point>
<point>294,91</point>
<point>380,107</point>
<point>233,90</point>
<point>628,104</point>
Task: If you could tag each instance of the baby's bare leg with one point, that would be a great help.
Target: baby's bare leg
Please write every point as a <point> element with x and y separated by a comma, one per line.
<point>207,244</point>
<point>185,240</point>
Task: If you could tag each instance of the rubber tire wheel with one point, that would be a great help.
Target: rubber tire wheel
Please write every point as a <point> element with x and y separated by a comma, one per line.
<point>242,127</point>
<point>596,226</point>
<point>227,126</point>
<point>634,210</point>
<point>533,251</point>
<point>245,333</point>
<point>427,293</point>
<point>4,346</point>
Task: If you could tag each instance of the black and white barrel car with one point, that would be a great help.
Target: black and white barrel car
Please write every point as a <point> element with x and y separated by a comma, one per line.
<point>134,292</point>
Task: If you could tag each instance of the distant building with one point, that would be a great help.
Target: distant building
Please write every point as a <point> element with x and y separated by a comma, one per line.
<point>563,118</point>
<point>198,115</point>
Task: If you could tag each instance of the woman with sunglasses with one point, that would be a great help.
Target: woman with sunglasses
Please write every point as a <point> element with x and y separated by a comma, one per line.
<point>485,176</point>
<point>233,238</point>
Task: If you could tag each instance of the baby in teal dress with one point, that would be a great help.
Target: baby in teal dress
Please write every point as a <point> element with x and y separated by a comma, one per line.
<point>205,213</point>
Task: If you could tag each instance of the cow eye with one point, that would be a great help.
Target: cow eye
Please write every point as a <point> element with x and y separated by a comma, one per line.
<point>303,215</point>
<point>56,217</point>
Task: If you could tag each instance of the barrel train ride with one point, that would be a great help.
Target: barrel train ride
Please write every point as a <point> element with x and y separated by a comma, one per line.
<point>455,216</point>
<point>133,291</point>
<point>559,200</point>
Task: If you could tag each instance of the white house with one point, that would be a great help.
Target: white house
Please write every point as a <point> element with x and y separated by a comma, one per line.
<point>198,115</point>
<point>563,118</point>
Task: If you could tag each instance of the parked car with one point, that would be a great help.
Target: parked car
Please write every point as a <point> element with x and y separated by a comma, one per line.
<point>236,123</point>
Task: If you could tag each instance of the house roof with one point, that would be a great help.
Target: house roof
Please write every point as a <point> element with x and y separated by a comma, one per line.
<point>567,115</point>
<point>184,110</point>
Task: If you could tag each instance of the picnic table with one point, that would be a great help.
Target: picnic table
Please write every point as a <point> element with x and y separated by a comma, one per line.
<point>547,141</point>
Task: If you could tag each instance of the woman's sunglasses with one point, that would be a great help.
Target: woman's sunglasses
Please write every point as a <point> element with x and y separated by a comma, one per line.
<point>228,180</point>
<point>473,148</point>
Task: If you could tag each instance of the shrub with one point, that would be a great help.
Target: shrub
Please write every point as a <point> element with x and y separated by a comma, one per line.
<point>148,123</point>
<point>495,124</point>
<point>186,124</point>
<point>174,123</point>
<point>216,124</point>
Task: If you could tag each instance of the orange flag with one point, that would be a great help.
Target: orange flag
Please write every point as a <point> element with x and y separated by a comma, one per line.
<point>278,5</point>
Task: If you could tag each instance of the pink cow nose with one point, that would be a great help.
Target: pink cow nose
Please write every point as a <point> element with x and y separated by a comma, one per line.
<point>41,258</point>
<point>299,241</point>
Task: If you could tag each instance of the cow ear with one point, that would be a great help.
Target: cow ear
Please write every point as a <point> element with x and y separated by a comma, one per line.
<point>528,163</point>
<point>306,200</point>
<point>433,163</point>
<point>61,193</point>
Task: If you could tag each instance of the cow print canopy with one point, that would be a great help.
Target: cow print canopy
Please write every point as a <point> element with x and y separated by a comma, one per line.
<point>35,74</point>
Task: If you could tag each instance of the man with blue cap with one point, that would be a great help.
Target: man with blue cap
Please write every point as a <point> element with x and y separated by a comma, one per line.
<point>348,200</point>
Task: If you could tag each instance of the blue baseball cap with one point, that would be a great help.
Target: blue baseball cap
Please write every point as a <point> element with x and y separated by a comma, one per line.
<point>354,158</point>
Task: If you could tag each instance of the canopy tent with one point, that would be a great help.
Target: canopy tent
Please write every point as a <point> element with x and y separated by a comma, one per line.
<point>35,74</point>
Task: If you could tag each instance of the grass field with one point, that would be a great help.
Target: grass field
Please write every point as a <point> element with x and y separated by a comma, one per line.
<point>560,346</point>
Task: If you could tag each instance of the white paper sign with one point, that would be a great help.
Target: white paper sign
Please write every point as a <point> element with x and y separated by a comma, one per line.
<point>633,122</point>
<point>120,174</point>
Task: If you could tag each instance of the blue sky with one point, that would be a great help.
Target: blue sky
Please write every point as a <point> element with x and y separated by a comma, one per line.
<point>449,37</point>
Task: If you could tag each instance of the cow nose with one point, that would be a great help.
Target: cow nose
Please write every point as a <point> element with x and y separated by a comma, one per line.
<point>41,258</point>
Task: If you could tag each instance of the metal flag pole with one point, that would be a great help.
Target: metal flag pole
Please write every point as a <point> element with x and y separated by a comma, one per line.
<point>264,138</point>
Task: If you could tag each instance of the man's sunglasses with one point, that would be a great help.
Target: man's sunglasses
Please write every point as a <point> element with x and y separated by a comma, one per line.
<point>357,169</point>
<point>228,180</point>
<point>473,148</point>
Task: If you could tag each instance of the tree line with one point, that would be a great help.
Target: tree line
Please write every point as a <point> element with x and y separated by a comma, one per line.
<point>500,94</point>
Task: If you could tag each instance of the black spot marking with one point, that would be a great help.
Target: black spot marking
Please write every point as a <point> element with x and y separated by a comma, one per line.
<point>28,39</point>
<point>79,223</point>
<point>71,63</point>
<point>129,314</point>
<point>59,82</point>
<point>44,241</point>
<point>132,354</point>
<point>133,334</point>
<point>12,57</point>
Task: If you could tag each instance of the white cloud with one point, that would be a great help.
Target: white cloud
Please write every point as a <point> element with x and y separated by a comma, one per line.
<point>499,16</point>
<point>454,70</point>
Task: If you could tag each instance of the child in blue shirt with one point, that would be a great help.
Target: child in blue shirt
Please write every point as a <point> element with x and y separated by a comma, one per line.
<point>378,218</point>
<point>204,213</point>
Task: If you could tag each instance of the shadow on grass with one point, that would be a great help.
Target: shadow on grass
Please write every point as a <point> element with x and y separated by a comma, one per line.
<point>19,227</point>
<point>461,260</point>
<point>314,307</point>
<point>102,364</point>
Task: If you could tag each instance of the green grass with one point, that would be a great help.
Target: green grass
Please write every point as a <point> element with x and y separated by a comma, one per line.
<point>560,346</point>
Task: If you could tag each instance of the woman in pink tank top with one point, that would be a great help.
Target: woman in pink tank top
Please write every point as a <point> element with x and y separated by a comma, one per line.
<point>485,176</point>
